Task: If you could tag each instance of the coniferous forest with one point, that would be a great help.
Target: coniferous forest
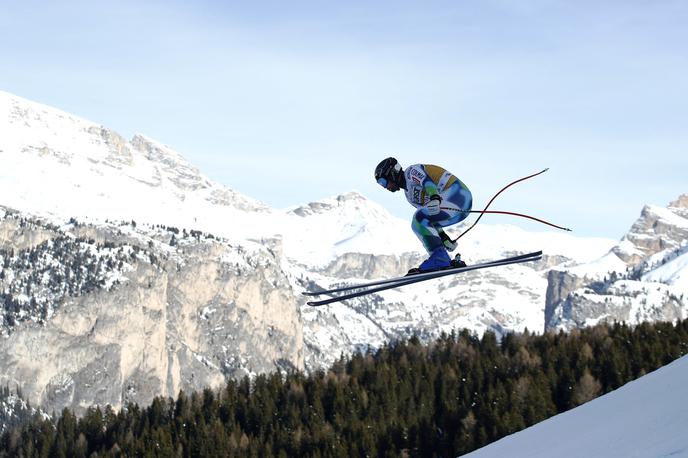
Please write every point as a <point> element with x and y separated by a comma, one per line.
<point>442,398</point>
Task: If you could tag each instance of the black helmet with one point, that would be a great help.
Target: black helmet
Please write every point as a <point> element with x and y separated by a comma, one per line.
<point>388,171</point>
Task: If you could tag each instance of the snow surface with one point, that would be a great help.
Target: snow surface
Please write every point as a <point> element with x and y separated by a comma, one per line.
<point>598,268</point>
<point>628,248</point>
<point>674,272</point>
<point>316,233</point>
<point>351,223</point>
<point>644,418</point>
<point>667,216</point>
<point>56,164</point>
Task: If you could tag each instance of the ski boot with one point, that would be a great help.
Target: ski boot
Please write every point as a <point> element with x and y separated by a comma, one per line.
<point>438,260</point>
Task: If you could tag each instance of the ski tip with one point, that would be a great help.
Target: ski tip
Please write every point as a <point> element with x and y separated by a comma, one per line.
<point>534,254</point>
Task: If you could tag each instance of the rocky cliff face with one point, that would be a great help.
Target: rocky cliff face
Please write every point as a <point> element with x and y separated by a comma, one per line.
<point>641,278</point>
<point>149,312</point>
<point>657,229</point>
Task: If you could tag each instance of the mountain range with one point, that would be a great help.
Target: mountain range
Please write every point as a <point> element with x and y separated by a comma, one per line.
<point>126,273</point>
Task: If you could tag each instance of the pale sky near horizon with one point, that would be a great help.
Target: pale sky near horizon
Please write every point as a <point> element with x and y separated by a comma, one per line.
<point>291,102</point>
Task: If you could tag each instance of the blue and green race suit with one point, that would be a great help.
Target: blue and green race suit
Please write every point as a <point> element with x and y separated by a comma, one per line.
<point>424,181</point>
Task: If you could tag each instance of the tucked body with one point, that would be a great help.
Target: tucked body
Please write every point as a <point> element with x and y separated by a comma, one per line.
<point>440,198</point>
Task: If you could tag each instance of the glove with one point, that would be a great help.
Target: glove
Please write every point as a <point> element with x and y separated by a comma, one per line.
<point>448,243</point>
<point>432,208</point>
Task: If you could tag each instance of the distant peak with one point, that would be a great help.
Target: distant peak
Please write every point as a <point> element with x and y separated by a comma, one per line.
<point>681,202</point>
<point>351,196</point>
<point>331,203</point>
<point>29,112</point>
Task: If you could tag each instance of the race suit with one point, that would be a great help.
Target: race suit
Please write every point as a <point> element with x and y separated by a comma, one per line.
<point>425,180</point>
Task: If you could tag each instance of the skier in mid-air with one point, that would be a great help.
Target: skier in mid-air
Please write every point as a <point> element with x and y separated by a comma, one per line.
<point>441,199</point>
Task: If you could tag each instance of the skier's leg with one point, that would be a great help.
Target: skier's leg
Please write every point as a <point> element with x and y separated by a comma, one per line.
<point>426,231</point>
<point>457,202</point>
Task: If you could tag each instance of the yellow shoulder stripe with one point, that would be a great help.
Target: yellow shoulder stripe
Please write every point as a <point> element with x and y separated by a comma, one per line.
<point>435,173</point>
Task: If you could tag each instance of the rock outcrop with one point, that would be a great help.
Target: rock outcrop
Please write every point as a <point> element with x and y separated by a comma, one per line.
<point>181,312</point>
<point>624,286</point>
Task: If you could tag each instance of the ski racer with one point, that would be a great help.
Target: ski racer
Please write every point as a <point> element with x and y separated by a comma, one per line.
<point>441,199</point>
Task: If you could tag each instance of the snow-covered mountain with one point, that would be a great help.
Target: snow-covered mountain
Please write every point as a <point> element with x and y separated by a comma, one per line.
<point>644,418</point>
<point>643,277</point>
<point>119,258</point>
<point>54,163</point>
<point>124,272</point>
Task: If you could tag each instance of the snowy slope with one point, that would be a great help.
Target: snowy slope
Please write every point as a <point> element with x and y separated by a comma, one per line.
<point>645,418</point>
<point>54,163</point>
<point>674,272</point>
<point>318,232</point>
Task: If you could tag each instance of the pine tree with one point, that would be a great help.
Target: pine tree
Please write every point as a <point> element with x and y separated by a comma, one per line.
<point>586,389</point>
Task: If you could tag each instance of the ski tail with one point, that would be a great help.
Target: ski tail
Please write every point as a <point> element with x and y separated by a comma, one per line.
<point>403,281</point>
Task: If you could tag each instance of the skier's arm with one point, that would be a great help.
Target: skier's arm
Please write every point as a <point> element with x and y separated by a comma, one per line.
<point>433,206</point>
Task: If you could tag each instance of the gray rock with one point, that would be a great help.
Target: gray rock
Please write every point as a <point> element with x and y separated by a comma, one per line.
<point>180,318</point>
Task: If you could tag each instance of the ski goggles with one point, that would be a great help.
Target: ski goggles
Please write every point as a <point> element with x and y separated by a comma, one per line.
<point>382,182</point>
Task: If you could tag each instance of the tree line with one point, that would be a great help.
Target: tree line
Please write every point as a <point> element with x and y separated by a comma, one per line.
<point>409,398</point>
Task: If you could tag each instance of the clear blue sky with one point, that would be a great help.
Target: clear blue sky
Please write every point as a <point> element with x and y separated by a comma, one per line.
<point>290,102</point>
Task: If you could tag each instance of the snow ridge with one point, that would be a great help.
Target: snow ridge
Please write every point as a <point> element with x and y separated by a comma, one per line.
<point>61,165</point>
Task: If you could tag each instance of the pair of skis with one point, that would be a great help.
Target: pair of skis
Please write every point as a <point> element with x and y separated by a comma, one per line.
<point>381,285</point>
